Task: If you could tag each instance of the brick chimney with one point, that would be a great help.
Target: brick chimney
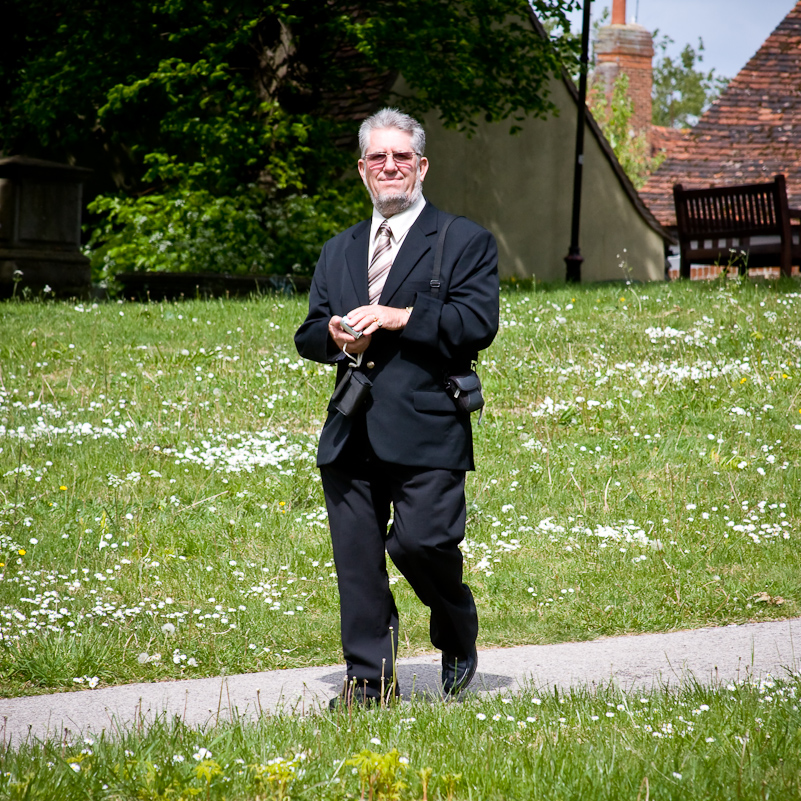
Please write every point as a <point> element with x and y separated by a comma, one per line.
<point>627,48</point>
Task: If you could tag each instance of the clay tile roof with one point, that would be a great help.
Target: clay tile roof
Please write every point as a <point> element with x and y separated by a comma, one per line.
<point>751,133</point>
<point>663,139</point>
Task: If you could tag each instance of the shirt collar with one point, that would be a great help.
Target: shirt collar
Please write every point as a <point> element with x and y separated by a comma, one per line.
<point>399,223</point>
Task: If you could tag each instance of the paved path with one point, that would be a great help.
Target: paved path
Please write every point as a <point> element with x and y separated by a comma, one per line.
<point>711,655</point>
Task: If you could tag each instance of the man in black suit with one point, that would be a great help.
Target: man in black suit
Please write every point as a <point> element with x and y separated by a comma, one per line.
<point>406,444</point>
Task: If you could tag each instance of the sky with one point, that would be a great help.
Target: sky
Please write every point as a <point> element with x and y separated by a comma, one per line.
<point>732,30</point>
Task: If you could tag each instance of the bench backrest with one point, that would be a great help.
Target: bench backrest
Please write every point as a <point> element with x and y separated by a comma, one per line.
<point>732,211</point>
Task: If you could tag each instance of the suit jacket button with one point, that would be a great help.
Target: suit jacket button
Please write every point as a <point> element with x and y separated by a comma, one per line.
<point>370,365</point>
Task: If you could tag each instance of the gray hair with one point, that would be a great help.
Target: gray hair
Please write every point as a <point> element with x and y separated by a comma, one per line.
<point>392,118</point>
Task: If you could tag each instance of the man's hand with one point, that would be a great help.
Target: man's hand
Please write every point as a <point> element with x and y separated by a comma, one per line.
<point>369,319</point>
<point>347,341</point>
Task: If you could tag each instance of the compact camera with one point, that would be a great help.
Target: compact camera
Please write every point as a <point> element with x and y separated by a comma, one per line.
<point>346,326</point>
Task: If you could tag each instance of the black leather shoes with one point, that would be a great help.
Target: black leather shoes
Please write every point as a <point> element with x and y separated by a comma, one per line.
<point>351,696</point>
<point>457,672</point>
<point>356,695</point>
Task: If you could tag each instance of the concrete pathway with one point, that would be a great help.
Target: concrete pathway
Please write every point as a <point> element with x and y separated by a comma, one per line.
<point>638,662</point>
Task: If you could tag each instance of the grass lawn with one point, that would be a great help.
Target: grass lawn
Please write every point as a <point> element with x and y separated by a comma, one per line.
<point>740,742</point>
<point>161,515</point>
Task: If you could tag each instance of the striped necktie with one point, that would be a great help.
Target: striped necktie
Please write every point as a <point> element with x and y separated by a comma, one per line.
<point>380,264</point>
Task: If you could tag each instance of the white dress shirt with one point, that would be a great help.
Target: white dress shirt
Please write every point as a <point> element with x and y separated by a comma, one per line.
<point>399,224</point>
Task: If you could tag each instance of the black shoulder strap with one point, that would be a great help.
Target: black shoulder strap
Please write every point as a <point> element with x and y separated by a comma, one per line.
<point>434,283</point>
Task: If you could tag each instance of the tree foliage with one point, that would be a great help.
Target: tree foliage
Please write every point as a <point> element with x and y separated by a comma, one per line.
<point>248,108</point>
<point>681,90</point>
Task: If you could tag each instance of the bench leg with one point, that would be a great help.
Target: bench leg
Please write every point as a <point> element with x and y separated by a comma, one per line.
<point>786,261</point>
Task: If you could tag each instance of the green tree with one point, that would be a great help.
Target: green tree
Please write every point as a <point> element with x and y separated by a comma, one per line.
<point>681,90</point>
<point>219,130</point>
<point>630,146</point>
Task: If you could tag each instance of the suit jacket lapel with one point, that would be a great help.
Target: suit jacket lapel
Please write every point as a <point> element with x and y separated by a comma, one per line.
<point>418,242</point>
<point>356,263</point>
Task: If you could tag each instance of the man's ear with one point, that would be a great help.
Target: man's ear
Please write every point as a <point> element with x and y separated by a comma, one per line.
<point>362,168</point>
<point>423,167</point>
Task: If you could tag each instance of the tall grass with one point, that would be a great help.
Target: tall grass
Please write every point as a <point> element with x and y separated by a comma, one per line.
<point>737,742</point>
<point>162,515</point>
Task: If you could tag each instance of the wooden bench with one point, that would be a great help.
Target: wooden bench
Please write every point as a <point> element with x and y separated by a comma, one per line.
<point>747,225</point>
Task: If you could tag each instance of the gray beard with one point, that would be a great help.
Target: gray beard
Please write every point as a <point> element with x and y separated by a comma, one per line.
<point>389,203</point>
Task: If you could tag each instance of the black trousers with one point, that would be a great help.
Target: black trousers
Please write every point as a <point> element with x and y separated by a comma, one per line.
<point>428,510</point>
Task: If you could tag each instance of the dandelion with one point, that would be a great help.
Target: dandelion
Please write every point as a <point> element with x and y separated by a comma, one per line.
<point>22,552</point>
<point>63,488</point>
<point>168,629</point>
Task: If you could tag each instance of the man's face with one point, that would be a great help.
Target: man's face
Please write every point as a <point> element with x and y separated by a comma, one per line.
<point>393,187</point>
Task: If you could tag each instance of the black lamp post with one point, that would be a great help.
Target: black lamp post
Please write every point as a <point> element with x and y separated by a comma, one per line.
<point>574,258</point>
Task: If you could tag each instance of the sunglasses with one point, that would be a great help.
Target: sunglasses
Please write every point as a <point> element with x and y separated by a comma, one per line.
<point>376,161</point>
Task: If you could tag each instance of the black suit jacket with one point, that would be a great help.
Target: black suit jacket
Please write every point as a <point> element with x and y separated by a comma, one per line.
<point>410,418</point>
